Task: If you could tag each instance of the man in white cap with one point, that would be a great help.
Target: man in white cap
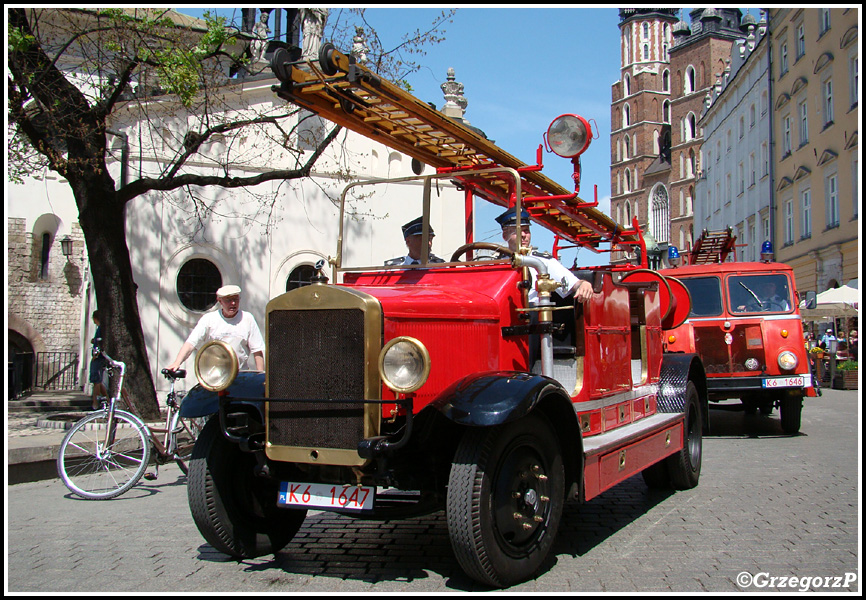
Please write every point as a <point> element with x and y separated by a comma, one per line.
<point>229,324</point>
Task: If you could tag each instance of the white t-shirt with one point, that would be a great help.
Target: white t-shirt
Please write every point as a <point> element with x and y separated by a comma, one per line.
<point>240,332</point>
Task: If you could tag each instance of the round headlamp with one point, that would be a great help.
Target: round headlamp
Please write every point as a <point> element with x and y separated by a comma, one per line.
<point>788,360</point>
<point>216,366</point>
<point>404,364</point>
<point>569,135</point>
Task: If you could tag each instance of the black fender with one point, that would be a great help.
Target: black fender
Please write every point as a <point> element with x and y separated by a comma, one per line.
<point>493,398</point>
<point>677,371</point>
<point>200,402</point>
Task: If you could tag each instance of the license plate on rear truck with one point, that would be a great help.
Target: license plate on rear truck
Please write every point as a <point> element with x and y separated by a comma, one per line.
<point>784,382</point>
<point>326,497</point>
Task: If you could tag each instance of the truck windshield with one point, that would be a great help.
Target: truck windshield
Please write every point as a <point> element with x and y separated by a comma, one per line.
<point>759,293</point>
<point>706,296</point>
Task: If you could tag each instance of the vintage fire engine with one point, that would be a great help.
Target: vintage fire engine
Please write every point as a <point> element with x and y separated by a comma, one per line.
<point>404,390</point>
<point>745,324</point>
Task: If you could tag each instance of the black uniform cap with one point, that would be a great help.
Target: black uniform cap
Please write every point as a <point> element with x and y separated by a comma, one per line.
<point>415,227</point>
<point>509,218</point>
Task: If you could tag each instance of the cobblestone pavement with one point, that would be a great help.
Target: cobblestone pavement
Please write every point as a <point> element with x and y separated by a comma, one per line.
<point>771,513</point>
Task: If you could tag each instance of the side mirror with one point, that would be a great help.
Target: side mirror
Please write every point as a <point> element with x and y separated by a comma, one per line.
<point>811,300</point>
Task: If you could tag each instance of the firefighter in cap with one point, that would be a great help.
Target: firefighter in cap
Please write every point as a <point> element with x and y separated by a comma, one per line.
<point>515,239</point>
<point>412,235</point>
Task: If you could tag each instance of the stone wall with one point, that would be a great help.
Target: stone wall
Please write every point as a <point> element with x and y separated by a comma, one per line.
<point>45,310</point>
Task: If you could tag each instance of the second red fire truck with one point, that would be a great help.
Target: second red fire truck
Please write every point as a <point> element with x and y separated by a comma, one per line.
<point>745,325</point>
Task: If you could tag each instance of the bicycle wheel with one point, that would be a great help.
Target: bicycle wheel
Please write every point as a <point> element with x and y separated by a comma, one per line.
<point>96,471</point>
<point>185,440</point>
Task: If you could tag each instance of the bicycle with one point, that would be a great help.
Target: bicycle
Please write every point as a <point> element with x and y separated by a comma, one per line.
<point>108,451</point>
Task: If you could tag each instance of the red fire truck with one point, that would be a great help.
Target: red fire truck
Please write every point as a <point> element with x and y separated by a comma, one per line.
<point>745,324</point>
<point>404,390</point>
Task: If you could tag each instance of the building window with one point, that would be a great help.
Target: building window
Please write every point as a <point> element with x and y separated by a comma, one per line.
<point>804,123</point>
<point>197,283</point>
<point>783,58</point>
<point>690,80</point>
<point>853,79</point>
<point>626,116</point>
<point>765,159</point>
<point>646,51</point>
<point>825,20</point>
<point>44,256</point>
<point>666,81</point>
<point>789,221</point>
<point>742,127</point>
<point>661,217</point>
<point>786,135</point>
<point>832,201</point>
<point>666,111</point>
<point>752,116</point>
<point>741,179</point>
<point>645,31</point>
<point>300,276</point>
<point>806,213</point>
<point>801,41</point>
<point>828,102</point>
<point>752,170</point>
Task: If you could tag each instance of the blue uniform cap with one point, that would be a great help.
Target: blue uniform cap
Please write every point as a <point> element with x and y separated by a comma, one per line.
<point>509,218</point>
<point>415,227</point>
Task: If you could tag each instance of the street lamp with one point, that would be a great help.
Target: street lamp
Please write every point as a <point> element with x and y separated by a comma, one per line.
<point>66,247</point>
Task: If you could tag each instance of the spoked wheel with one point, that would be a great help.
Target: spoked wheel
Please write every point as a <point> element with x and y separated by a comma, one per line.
<point>186,438</point>
<point>235,511</point>
<point>505,498</point>
<point>96,470</point>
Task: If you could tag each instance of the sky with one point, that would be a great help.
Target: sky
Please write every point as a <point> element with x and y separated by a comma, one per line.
<point>521,68</point>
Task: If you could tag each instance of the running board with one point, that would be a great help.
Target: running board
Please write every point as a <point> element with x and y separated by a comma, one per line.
<point>619,454</point>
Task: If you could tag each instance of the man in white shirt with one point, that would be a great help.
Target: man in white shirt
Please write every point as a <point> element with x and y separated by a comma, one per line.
<point>508,221</point>
<point>412,235</point>
<point>229,324</point>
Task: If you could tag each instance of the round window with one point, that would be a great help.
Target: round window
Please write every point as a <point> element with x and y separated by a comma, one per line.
<point>300,276</point>
<point>197,283</point>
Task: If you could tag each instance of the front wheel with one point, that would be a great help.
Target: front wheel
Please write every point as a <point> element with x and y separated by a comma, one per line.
<point>790,412</point>
<point>98,465</point>
<point>235,511</point>
<point>505,497</point>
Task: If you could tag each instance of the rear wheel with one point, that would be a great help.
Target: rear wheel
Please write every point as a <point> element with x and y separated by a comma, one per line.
<point>505,498</point>
<point>235,511</point>
<point>685,466</point>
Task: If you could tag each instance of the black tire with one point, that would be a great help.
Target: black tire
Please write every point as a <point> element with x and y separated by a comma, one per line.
<point>685,466</point>
<point>505,497</point>
<point>657,476</point>
<point>235,511</point>
<point>790,412</point>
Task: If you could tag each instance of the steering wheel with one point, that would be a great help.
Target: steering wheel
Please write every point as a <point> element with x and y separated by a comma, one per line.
<point>480,246</point>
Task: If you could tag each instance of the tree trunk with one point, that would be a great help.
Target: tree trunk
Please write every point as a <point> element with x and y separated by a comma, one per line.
<point>102,219</point>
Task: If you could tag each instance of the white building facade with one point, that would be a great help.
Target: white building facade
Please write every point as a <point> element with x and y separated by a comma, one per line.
<point>734,187</point>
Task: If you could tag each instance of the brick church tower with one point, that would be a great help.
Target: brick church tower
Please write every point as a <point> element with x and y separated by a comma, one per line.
<point>666,69</point>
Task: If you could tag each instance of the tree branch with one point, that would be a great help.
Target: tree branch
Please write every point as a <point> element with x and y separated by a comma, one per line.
<point>140,186</point>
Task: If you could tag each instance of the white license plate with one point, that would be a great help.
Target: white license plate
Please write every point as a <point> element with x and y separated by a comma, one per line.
<point>785,382</point>
<point>325,496</point>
